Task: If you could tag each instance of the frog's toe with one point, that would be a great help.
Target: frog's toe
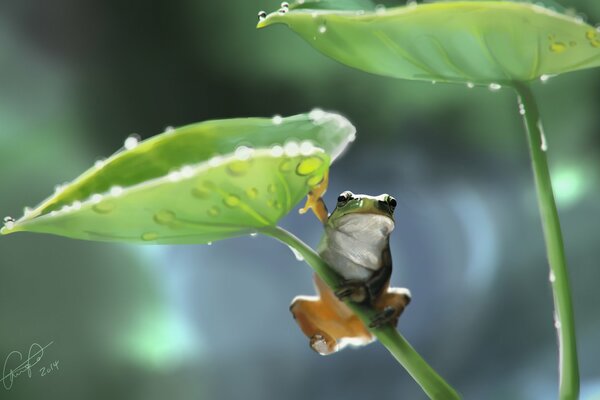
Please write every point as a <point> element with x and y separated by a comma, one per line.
<point>387,316</point>
<point>323,344</point>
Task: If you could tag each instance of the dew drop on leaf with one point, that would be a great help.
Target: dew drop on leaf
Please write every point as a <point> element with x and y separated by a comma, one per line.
<point>252,193</point>
<point>164,217</point>
<point>308,166</point>
<point>149,236</point>
<point>232,200</point>
<point>132,141</point>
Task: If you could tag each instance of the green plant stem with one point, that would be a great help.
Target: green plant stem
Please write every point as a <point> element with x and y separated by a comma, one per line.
<point>565,321</point>
<point>433,384</point>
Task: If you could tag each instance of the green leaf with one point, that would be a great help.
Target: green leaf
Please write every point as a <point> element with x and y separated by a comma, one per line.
<point>479,42</point>
<point>196,184</point>
<point>333,5</point>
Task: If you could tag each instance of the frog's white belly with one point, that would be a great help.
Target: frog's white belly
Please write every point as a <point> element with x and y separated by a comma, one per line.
<point>353,245</point>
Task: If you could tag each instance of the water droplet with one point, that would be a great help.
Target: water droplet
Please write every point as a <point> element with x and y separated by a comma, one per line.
<point>306,148</point>
<point>252,193</point>
<point>544,78</point>
<point>238,168</point>
<point>262,15</point>
<point>187,171</point>
<point>285,166</point>
<point>277,119</point>
<point>104,207</point>
<point>59,188</point>
<point>470,85</point>
<point>209,243</point>
<point>201,192</point>
<point>296,254</point>
<point>164,217</point>
<point>214,211</point>
<point>149,236</point>
<point>283,10</point>
<point>76,205</point>
<point>433,82</point>
<point>27,211</point>
<point>169,129</point>
<point>411,3</point>
<point>591,34</point>
<point>276,151</point>
<point>552,277</point>
<point>322,29</point>
<point>521,109</point>
<point>215,161</point>
<point>557,47</point>
<point>544,145</point>
<point>96,198</point>
<point>9,222</point>
<point>316,115</point>
<point>100,163</point>
<point>557,324</point>
<point>272,188</point>
<point>243,152</point>
<point>232,200</point>
<point>291,149</point>
<point>380,8</point>
<point>174,176</point>
<point>494,87</point>
<point>309,165</point>
<point>116,191</point>
<point>254,234</point>
<point>132,141</point>
<point>314,180</point>
<point>285,4</point>
<point>274,204</point>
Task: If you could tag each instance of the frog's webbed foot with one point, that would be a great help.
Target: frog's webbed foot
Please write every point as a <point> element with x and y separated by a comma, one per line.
<point>314,200</point>
<point>355,291</point>
<point>385,317</point>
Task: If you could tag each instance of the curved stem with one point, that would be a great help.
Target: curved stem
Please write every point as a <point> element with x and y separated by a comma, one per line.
<point>559,277</point>
<point>433,384</point>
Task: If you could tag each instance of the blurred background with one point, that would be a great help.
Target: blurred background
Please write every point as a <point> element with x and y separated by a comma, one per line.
<point>212,322</point>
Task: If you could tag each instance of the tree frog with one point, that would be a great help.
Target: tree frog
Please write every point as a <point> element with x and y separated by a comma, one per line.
<point>356,245</point>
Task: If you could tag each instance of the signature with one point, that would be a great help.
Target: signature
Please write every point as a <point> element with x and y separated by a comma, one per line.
<point>12,371</point>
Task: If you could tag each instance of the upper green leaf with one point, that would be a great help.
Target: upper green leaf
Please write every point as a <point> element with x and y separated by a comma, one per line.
<point>479,42</point>
<point>196,184</point>
<point>332,5</point>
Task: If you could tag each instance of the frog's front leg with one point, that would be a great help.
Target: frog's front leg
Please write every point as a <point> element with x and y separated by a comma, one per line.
<point>314,200</point>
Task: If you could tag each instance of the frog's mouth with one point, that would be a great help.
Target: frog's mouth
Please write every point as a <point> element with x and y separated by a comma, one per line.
<point>365,225</point>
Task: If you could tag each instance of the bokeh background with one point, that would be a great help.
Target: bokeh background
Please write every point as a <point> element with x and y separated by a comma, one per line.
<point>212,322</point>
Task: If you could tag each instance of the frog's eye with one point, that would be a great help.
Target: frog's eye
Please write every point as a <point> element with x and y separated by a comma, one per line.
<point>343,198</point>
<point>391,202</point>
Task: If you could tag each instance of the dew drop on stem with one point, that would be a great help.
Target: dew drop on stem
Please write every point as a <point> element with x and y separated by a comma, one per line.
<point>296,254</point>
<point>9,222</point>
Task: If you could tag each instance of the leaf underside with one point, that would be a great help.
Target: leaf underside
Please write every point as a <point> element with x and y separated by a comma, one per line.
<point>479,42</point>
<point>196,184</point>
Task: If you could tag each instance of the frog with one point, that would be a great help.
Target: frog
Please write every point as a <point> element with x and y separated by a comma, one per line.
<point>355,244</point>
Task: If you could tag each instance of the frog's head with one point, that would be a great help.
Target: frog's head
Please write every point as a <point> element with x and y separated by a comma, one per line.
<point>363,213</point>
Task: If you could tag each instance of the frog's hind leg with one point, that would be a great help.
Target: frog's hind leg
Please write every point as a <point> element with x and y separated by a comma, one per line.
<point>390,306</point>
<point>328,323</point>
